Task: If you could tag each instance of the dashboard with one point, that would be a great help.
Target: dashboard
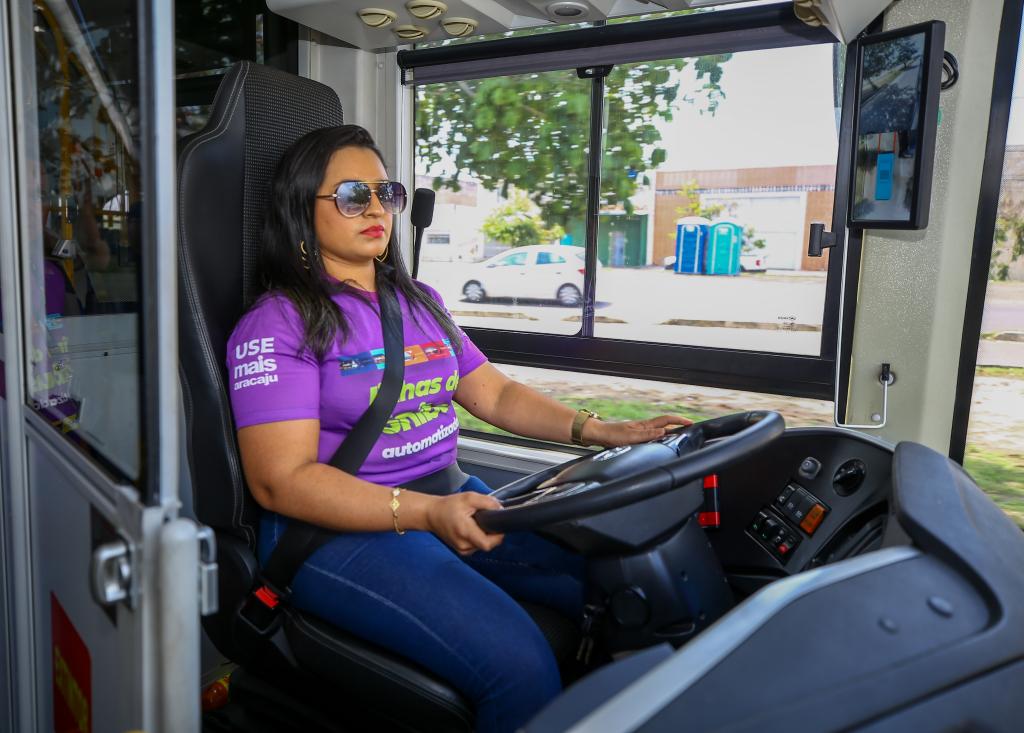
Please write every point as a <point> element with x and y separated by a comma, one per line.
<point>814,496</point>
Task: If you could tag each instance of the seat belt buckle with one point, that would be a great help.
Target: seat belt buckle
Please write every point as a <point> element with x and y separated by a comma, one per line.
<point>261,610</point>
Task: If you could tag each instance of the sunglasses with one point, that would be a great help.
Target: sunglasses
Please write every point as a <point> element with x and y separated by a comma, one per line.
<point>353,197</point>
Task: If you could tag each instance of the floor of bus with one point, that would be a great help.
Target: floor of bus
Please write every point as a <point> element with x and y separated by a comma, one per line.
<point>254,705</point>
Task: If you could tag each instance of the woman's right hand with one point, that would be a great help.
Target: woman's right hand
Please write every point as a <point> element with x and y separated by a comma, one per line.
<point>451,519</point>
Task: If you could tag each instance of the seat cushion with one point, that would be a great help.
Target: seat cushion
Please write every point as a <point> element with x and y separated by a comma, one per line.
<point>383,682</point>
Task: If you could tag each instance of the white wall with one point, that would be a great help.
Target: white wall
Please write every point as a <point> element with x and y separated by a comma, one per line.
<point>369,86</point>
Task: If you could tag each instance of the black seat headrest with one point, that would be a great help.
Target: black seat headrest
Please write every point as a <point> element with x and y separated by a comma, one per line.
<point>224,172</point>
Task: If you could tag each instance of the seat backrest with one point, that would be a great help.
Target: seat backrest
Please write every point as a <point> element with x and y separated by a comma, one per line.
<point>224,173</point>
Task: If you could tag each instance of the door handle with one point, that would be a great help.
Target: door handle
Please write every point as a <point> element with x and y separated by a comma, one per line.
<point>208,587</point>
<point>111,573</point>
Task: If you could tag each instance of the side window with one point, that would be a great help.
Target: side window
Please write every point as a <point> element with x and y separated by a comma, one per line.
<point>83,238</point>
<point>507,157</point>
<point>516,260</point>
<point>716,227</point>
<point>994,454</point>
<point>548,258</point>
<point>712,169</point>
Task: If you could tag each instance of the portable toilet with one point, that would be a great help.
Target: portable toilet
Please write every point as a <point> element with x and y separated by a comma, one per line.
<point>725,242</point>
<point>691,241</point>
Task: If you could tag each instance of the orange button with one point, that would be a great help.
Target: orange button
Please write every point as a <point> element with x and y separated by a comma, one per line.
<point>813,519</point>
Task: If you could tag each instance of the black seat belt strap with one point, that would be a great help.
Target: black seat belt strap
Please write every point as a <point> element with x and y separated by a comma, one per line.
<point>301,539</point>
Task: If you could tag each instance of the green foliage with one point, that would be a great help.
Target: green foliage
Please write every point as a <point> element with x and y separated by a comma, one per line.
<point>693,205</point>
<point>531,131</point>
<point>1008,246</point>
<point>516,224</point>
<point>751,241</point>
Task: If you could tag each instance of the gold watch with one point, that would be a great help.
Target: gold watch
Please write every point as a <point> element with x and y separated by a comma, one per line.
<point>582,415</point>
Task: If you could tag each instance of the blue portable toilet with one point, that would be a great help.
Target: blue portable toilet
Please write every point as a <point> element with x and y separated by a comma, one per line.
<point>691,241</point>
<point>725,242</point>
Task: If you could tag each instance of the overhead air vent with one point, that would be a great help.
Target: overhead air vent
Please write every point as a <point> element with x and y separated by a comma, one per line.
<point>411,32</point>
<point>458,27</point>
<point>426,9</point>
<point>377,17</point>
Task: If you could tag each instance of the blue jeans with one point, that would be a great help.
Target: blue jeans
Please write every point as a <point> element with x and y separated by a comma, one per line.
<point>455,616</point>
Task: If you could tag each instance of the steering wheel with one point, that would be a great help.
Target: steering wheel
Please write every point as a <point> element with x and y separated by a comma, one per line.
<point>615,477</point>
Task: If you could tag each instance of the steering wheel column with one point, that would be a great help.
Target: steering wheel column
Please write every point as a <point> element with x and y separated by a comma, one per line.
<point>652,575</point>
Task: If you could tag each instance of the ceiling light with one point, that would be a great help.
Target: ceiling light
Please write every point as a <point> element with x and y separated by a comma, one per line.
<point>410,32</point>
<point>377,17</point>
<point>426,9</point>
<point>458,27</point>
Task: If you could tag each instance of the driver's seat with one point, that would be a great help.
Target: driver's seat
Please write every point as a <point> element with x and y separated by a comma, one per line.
<point>316,671</point>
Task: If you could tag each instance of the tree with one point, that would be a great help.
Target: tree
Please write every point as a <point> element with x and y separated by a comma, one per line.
<point>752,242</point>
<point>1008,246</point>
<point>694,206</point>
<point>530,131</point>
<point>517,224</point>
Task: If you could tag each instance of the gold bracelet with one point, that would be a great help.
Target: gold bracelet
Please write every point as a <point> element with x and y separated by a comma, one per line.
<point>582,415</point>
<point>394,509</point>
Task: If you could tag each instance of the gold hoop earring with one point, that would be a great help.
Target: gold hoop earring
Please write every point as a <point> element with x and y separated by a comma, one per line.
<point>383,255</point>
<point>304,256</point>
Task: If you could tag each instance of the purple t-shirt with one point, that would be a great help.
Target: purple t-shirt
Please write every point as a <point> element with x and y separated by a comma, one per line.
<point>272,378</point>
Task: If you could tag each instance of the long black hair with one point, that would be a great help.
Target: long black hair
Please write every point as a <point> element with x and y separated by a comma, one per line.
<point>289,222</point>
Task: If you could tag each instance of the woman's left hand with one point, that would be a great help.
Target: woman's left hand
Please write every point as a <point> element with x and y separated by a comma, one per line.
<point>609,434</point>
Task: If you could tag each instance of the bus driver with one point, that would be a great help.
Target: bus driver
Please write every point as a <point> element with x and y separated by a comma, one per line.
<point>303,367</point>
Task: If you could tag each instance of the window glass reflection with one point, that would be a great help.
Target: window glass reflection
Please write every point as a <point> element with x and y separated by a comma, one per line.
<point>83,246</point>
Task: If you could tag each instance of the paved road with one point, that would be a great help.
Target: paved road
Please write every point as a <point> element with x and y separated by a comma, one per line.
<point>752,311</point>
<point>759,312</point>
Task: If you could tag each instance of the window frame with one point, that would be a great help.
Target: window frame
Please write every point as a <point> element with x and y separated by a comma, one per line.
<point>985,223</point>
<point>760,28</point>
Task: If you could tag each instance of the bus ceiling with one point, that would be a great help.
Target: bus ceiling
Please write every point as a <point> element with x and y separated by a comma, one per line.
<point>382,25</point>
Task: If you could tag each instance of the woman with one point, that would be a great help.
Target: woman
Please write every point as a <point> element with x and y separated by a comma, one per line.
<point>304,364</point>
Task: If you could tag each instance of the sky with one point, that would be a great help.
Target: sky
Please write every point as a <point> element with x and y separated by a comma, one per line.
<point>778,110</point>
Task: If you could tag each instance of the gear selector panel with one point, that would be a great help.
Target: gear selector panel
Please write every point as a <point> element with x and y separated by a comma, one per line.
<point>774,534</point>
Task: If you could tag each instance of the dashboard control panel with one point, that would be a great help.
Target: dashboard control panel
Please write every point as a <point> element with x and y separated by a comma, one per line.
<point>774,534</point>
<point>801,507</point>
<point>771,528</point>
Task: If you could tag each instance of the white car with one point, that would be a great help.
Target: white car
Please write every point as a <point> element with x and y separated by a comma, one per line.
<point>541,271</point>
<point>753,262</point>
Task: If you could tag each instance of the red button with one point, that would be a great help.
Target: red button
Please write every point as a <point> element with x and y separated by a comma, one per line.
<point>783,548</point>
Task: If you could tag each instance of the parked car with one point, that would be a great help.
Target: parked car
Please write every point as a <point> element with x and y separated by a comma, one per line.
<point>539,271</point>
<point>753,262</point>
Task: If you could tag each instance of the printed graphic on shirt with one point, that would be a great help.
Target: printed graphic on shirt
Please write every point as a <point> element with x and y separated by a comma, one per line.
<point>416,446</point>
<point>367,361</point>
<point>260,368</point>
<point>402,421</point>
<point>422,388</point>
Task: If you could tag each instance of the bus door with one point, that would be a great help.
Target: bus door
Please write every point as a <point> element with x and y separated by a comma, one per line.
<point>108,579</point>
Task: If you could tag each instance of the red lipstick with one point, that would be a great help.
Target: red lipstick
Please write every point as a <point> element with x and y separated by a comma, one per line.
<point>375,231</point>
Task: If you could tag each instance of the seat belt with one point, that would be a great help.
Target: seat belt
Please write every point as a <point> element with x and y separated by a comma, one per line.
<point>261,609</point>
